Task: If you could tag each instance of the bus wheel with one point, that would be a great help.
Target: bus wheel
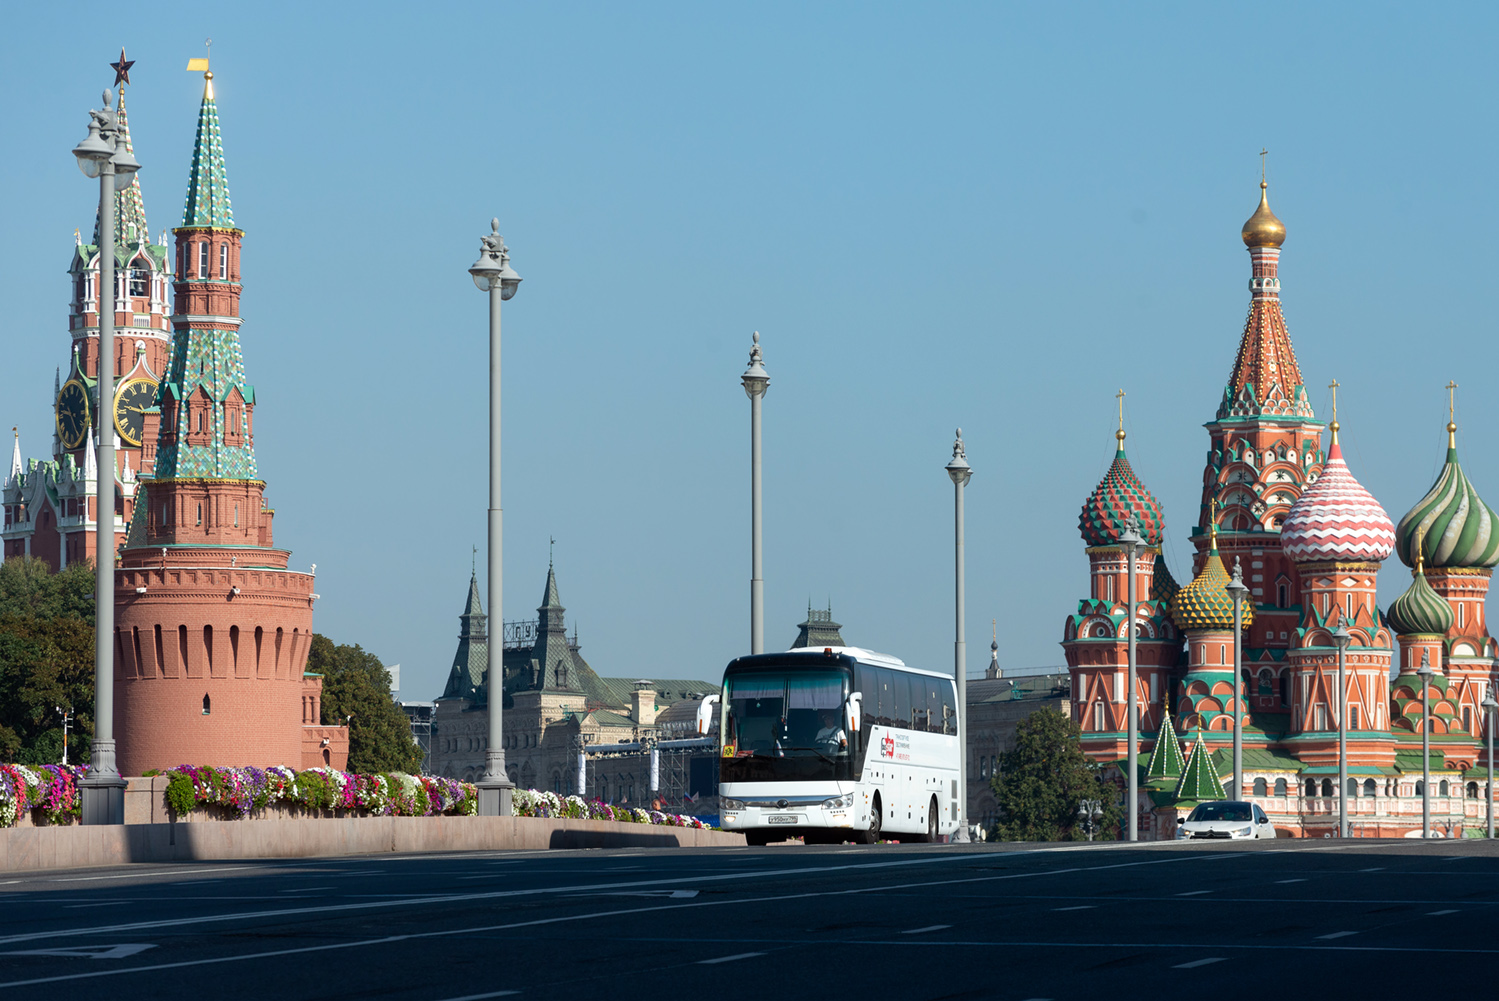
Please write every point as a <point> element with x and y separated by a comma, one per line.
<point>876,817</point>
<point>757,839</point>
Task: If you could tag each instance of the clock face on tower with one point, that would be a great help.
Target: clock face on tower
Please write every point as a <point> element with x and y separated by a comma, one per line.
<point>131,403</point>
<point>72,414</point>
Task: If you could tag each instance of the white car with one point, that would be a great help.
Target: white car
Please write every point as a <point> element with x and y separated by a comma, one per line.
<point>1225,819</point>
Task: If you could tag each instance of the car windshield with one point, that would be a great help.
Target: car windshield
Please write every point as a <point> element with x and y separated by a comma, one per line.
<point>785,724</point>
<point>1231,812</point>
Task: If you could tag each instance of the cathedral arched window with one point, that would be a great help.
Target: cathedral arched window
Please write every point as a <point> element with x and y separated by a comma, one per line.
<point>1443,789</point>
<point>1280,787</point>
<point>1327,787</point>
<point>1261,787</point>
<point>1370,788</point>
<point>1311,787</point>
<point>1472,790</point>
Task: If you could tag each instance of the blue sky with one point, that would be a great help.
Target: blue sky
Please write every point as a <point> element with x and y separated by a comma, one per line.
<point>979,215</point>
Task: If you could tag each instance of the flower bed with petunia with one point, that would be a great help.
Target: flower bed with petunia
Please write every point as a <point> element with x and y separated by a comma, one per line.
<point>534,803</point>
<point>238,792</point>
<point>48,792</point>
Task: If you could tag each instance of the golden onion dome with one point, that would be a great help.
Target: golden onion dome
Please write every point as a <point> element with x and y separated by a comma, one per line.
<point>1263,229</point>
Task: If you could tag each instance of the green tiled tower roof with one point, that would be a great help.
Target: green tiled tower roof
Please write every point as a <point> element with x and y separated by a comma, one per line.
<point>1420,610</point>
<point>1165,765</point>
<point>208,181</point>
<point>1200,780</point>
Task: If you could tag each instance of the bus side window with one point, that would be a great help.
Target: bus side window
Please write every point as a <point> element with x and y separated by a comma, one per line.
<point>902,686</point>
<point>885,702</point>
<point>918,703</point>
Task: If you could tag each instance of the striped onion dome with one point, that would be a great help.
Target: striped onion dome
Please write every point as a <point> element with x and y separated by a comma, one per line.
<point>1119,497</point>
<point>1419,610</point>
<point>1205,603</point>
<point>1452,524</point>
<point>1336,518</point>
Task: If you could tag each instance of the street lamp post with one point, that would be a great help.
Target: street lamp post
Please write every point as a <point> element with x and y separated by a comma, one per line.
<point>1489,705</point>
<point>755,382</point>
<point>1130,540</point>
<point>1237,591</point>
<point>1425,673</point>
<point>1340,638</point>
<point>492,273</point>
<point>1090,811</point>
<point>960,473</point>
<point>102,154</point>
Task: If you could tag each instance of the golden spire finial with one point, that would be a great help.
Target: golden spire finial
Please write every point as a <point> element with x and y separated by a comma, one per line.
<point>1119,435</point>
<point>1451,414</point>
<point>1334,387</point>
<point>1420,551</point>
<point>1213,523</point>
<point>1263,153</point>
<point>202,66</point>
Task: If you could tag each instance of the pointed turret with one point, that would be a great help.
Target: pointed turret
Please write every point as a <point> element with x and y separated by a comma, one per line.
<point>15,459</point>
<point>471,661</point>
<point>1266,381</point>
<point>208,180</point>
<point>1199,779</point>
<point>1164,769</point>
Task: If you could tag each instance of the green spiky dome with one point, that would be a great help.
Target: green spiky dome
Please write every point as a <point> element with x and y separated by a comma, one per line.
<point>1205,603</point>
<point>1420,610</point>
<point>1453,525</point>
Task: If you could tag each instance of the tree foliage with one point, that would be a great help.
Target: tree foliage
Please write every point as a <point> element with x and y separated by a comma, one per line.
<point>356,684</point>
<point>1044,778</point>
<point>46,659</point>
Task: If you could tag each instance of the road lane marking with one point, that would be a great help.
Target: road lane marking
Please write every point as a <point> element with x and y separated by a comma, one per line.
<point>923,931</point>
<point>1285,881</point>
<point>89,951</point>
<point>607,887</point>
<point>1378,868</point>
<point>1337,934</point>
<point>1437,914</point>
<point>1193,893</point>
<point>153,872</point>
<point>1199,962</point>
<point>307,889</point>
<point>478,997</point>
<point>1079,907</point>
<point>729,959</point>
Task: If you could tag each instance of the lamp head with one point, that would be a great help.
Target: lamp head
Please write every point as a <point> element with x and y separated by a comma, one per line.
<point>1130,538</point>
<point>1489,703</point>
<point>93,150</point>
<point>958,469</point>
<point>1425,672</point>
<point>489,270</point>
<point>1235,587</point>
<point>755,379</point>
<point>1341,637</point>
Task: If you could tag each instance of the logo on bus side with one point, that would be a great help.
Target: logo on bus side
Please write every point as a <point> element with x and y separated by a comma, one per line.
<point>887,746</point>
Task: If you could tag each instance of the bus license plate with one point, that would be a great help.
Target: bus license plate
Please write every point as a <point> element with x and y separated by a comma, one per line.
<point>784,818</point>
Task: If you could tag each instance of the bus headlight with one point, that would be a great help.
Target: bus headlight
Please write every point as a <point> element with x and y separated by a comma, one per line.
<point>730,804</point>
<point>840,803</point>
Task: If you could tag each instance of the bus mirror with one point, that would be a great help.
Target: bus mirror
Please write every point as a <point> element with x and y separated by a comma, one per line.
<point>855,709</point>
<point>705,714</point>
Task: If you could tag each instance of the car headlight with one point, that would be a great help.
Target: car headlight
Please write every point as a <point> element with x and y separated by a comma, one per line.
<point>838,803</point>
<point>1246,832</point>
<point>730,804</point>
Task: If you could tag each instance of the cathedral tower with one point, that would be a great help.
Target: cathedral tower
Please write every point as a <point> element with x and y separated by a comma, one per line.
<point>212,628</point>
<point>1095,637</point>
<point>1338,535</point>
<point>1265,448</point>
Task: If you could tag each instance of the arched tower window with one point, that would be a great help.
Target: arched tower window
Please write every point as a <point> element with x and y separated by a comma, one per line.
<point>140,278</point>
<point>224,262</point>
<point>205,704</point>
<point>203,259</point>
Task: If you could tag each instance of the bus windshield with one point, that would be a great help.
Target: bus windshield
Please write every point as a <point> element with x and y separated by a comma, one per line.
<point>786,725</point>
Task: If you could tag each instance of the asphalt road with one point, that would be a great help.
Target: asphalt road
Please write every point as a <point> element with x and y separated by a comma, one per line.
<point>1258,921</point>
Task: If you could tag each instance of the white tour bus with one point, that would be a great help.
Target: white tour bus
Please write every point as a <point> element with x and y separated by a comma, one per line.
<point>837,744</point>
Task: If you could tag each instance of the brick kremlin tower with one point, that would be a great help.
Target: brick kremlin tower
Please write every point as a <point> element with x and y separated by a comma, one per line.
<point>212,629</point>
<point>50,511</point>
